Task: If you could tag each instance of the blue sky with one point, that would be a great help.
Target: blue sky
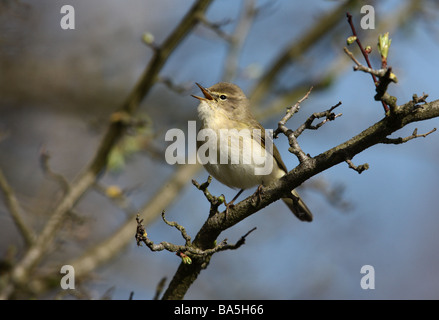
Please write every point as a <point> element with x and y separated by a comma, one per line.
<point>392,221</point>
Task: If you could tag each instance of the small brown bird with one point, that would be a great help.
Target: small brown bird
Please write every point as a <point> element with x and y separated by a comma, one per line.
<point>225,107</point>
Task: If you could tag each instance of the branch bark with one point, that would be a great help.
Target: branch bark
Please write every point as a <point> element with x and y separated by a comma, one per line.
<point>214,225</point>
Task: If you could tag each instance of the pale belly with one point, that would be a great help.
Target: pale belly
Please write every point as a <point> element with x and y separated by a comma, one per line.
<point>244,171</point>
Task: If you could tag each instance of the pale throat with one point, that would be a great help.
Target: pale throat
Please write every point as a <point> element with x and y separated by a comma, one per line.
<point>215,118</point>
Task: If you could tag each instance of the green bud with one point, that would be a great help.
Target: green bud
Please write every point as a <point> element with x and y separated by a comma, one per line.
<point>384,44</point>
<point>148,38</point>
<point>351,40</point>
<point>368,49</point>
<point>186,259</point>
<point>393,77</point>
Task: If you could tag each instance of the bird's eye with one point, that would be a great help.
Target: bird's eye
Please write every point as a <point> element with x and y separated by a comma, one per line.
<point>223,97</point>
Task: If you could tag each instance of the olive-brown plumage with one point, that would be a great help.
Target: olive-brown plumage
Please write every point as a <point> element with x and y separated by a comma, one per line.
<point>225,106</point>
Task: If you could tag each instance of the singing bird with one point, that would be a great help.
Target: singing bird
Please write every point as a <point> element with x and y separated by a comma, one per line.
<point>225,106</point>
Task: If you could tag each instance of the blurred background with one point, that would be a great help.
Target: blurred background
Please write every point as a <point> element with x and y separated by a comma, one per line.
<point>58,89</point>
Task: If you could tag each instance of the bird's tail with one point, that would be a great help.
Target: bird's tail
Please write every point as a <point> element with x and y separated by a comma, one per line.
<point>298,207</point>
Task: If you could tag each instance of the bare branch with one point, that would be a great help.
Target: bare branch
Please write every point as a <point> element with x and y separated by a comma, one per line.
<point>216,224</point>
<point>386,77</point>
<point>215,26</point>
<point>182,88</point>
<point>180,228</point>
<point>281,127</point>
<point>110,246</point>
<point>357,40</point>
<point>290,112</point>
<point>351,55</point>
<point>184,251</point>
<point>15,210</point>
<point>400,140</point>
<point>159,288</point>
<point>293,135</point>
<point>390,22</point>
<point>365,55</point>
<point>359,168</point>
<point>215,202</point>
<point>359,67</point>
<point>422,99</point>
<point>328,115</point>
<point>115,130</point>
<point>44,161</point>
<point>385,80</point>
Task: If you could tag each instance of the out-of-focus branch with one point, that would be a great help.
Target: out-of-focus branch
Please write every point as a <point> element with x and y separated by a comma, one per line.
<point>164,196</point>
<point>82,183</point>
<point>105,250</point>
<point>44,161</point>
<point>390,23</point>
<point>297,48</point>
<point>15,210</point>
<point>186,275</point>
<point>237,40</point>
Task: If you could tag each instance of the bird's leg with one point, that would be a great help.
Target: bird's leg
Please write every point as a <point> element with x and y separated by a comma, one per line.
<point>258,193</point>
<point>231,204</point>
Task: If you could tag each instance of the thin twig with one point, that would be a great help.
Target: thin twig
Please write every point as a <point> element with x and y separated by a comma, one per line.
<point>182,88</point>
<point>328,115</point>
<point>15,210</point>
<point>414,135</point>
<point>365,54</point>
<point>389,22</point>
<point>357,39</point>
<point>215,202</point>
<point>359,168</point>
<point>359,67</point>
<point>214,226</point>
<point>188,248</point>
<point>44,161</point>
<point>180,228</point>
<point>290,112</point>
<point>215,26</point>
<point>292,139</point>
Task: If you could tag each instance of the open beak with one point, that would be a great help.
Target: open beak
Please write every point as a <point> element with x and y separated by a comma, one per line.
<point>206,93</point>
